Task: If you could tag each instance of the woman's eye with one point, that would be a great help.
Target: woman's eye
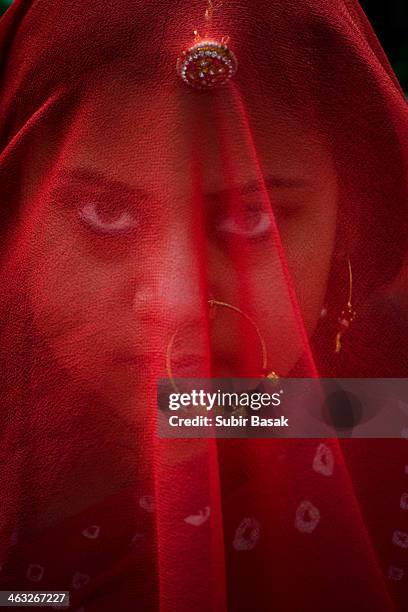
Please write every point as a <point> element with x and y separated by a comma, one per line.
<point>105,219</point>
<point>251,223</point>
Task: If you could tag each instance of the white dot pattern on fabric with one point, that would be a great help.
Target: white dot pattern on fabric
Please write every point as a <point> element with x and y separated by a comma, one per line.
<point>91,532</point>
<point>35,572</point>
<point>307,517</point>
<point>247,534</point>
<point>147,503</point>
<point>137,539</point>
<point>404,433</point>
<point>403,406</point>
<point>323,461</point>
<point>199,518</point>
<point>400,538</point>
<point>395,573</point>
<point>79,580</point>
<point>404,501</point>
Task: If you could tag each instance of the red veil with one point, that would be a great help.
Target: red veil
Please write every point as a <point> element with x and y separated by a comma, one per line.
<point>150,228</point>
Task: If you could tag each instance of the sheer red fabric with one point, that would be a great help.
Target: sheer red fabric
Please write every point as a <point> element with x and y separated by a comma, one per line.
<point>129,201</point>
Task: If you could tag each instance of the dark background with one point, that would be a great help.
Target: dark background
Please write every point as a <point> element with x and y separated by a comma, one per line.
<point>390,21</point>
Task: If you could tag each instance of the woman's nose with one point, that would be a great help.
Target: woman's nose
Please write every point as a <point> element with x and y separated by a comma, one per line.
<point>174,285</point>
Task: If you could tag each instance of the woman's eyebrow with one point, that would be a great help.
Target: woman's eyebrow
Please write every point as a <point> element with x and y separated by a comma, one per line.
<point>258,185</point>
<point>90,176</point>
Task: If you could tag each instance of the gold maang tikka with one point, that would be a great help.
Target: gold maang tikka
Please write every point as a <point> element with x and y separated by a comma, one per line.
<point>207,63</point>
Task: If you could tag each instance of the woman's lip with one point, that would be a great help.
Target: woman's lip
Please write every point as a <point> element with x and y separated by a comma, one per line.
<point>181,365</point>
<point>138,358</point>
<point>189,365</point>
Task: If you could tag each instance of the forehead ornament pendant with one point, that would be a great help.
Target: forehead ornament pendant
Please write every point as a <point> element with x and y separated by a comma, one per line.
<point>207,64</point>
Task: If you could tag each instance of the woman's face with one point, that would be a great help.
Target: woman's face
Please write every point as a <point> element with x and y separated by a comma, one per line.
<point>141,222</point>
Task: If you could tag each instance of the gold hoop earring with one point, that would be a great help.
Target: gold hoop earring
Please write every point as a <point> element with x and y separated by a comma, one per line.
<point>347,315</point>
<point>265,373</point>
<point>213,304</point>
